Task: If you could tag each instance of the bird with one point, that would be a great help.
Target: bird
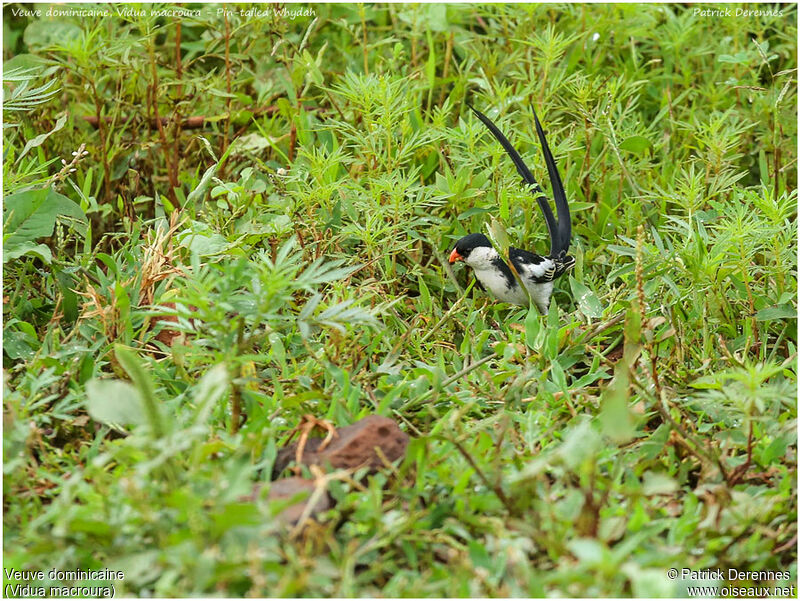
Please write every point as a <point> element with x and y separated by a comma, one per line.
<point>536,272</point>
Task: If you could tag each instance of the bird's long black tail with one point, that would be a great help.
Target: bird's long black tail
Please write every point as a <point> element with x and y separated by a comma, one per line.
<point>560,197</point>
<point>560,231</point>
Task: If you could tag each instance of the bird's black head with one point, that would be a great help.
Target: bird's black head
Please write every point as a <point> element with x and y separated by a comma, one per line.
<point>467,244</point>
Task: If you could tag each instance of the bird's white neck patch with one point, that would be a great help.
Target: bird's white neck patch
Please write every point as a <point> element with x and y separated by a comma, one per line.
<point>482,257</point>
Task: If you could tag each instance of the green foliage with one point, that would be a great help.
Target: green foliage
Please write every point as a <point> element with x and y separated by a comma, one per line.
<point>31,215</point>
<point>254,225</point>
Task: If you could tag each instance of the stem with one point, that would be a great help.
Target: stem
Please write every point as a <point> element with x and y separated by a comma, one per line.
<point>98,107</point>
<point>236,395</point>
<point>448,55</point>
<point>176,132</point>
<point>362,13</point>
<point>173,176</point>
<point>227,82</point>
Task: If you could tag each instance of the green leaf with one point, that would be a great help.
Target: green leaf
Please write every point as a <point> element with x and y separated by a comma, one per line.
<point>42,33</point>
<point>209,390</point>
<point>739,57</point>
<point>588,303</point>
<point>615,417</point>
<point>587,551</point>
<point>38,140</point>
<point>437,16</point>
<point>69,302</point>
<point>196,195</point>
<point>635,144</point>
<point>648,582</point>
<point>784,311</point>
<point>205,246</point>
<point>19,341</point>
<point>29,248</point>
<point>657,483</point>
<point>499,236</point>
<point>473,211</point>
<point>632,331</point>
<point>532,327</point>
<point>581,443</point>
<point>114,402</point>
<point>32,214</point>
<point>424,294</point>
<point>430,65</point>
<point>775,450</point>
<point>144,385</point>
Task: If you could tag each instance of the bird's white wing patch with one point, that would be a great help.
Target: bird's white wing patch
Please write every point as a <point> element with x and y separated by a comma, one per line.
<point>541,269</point>
<point>540,292</point>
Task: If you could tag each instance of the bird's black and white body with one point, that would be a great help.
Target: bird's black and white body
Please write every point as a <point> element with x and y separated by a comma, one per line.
<point>492,271</point>
<point>536,272</point>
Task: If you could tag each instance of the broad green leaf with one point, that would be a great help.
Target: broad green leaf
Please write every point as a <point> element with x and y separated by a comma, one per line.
<point>205,246</point>
<point>32,214</point>
<point>31,249</point>
<point>22,67</point>
<point>588,303</point>
<point>635,144</point>
<point>588,551</point>
<point>785,311</point>
<point>19,344</point>
<point>775,450</point>
<point>615,417</point>
<point>437,16</point>
<point>42,33</point>
<point>114,402</point>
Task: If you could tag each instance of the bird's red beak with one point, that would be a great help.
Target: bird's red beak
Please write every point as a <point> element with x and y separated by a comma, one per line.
<point>454,256</point>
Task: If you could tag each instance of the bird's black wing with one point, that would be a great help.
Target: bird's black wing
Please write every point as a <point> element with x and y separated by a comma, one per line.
<point>564,232</point>
<point>553,228</point>
<point>531,264</point>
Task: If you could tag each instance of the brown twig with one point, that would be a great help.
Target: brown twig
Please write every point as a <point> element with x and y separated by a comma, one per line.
<point>196,121</point>
<point>188,123</point>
